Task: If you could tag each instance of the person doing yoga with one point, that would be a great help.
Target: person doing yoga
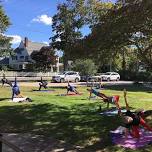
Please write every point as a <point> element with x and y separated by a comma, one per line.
<point>133,120</point>
<point>107,99</point>
<point>5,81</point>
<point>42,84</point>
<point>71,89</point>
<point>16,91</point>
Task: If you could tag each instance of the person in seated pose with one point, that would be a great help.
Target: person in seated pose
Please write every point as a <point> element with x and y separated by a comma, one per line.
<point>133,120</point>
<point>71,89</point>
<point>107,99</point>
<point>42,84</point>
<point>4,80</point>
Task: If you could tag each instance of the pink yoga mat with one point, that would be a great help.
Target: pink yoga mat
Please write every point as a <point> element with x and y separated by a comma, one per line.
<point>70,94</point>
<point>130,142</point>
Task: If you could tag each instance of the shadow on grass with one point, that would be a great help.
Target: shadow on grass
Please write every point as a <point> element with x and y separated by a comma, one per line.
<point>129,87</point>
<point>2,99</point>
<point>76,125</point>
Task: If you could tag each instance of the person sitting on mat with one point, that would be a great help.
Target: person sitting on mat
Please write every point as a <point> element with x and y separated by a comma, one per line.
<point>133,120</point>
<point>42,84</point>
<point>71,89</point>
<point>107,99</point>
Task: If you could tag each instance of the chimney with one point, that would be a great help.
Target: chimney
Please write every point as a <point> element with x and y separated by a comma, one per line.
<point>26,42</point>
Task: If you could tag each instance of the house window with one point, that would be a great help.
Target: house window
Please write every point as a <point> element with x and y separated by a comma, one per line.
<point>26,58</point>
<point>20,67</point>
<point>21,57</point>
<point>14,57</point>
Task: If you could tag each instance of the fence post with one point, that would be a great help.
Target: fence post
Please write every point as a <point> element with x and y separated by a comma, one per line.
<point>1,142</point>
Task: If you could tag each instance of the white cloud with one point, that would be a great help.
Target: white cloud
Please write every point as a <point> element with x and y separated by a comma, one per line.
<point>47,43</point>
<point>58,40</point>
<point>47,20</point>
<point>16,39</point>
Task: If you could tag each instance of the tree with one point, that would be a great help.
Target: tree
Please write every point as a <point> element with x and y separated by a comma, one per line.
<point>45,58</point>
<point>85,67</point>
<point>119,27</point>
<point>66,26</point>
<point>4,41</point>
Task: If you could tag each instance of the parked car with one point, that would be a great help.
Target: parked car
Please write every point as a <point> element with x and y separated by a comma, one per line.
<point>110,76</point>
<point>94,78</point>
<point>84,78</point>
<point>66,76</point>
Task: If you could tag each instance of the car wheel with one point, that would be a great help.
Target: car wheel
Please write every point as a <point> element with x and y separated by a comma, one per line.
<point>62,80</point>
<point>117,79</point>
<point>76,80</point>
<point>108,79</point>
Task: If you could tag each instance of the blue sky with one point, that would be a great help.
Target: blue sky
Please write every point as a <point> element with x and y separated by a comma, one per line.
<point>32,19</point>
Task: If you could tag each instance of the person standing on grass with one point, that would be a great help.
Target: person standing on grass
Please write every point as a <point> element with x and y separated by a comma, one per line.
<point>107,99</point>
<point>133,120</point>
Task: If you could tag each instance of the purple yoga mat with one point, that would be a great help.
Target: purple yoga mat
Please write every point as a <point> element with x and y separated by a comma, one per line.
<point>130,142</point>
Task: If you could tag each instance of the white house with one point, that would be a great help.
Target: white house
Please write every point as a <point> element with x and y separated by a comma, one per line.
<point>21,56</point>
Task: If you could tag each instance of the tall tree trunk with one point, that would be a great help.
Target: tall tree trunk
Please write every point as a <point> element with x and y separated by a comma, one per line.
<point>65,62</point>
<point>123,63</point>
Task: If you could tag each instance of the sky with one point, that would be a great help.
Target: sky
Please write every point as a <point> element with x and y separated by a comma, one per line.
<point>32,19</point>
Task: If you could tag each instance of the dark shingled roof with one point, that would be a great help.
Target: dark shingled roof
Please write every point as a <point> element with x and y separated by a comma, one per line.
<point>34,46</point>
<point>31,46</point>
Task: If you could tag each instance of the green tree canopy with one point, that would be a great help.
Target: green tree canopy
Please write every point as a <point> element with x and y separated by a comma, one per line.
<point>44,58</point>
<point>123,25</point>
<point>85,66</point>
<point>4,41</point>
<point>66,26</point>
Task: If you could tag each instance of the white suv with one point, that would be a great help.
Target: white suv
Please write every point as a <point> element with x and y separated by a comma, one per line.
<point>109,76</point>
<point>66,76</point>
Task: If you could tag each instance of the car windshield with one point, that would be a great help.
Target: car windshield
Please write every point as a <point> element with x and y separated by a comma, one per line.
<point>107,73</point>
<point>62,73</point>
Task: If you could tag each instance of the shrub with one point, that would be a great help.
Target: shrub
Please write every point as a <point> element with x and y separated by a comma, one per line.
<point>85,67</point>
<point>136,76</point>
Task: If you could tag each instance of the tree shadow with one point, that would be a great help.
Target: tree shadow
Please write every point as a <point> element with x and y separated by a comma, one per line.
<point>3,99</point>
<point>75,125</point>
<point>129,87</point>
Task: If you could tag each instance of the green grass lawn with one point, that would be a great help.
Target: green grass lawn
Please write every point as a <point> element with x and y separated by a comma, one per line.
<point>72,119</point>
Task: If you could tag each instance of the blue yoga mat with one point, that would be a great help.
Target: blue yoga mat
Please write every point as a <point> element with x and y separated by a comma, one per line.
<point>112,112</point>
<point>44,90</point>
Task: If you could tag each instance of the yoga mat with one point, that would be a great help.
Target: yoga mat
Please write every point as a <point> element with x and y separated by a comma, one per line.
<point>18,99</point>
<point>73,94</point>
<point>70,94</point>
<point>93,98</point>
<point>44,90</point>
<point>133,143</point>
<point>112,112</point>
